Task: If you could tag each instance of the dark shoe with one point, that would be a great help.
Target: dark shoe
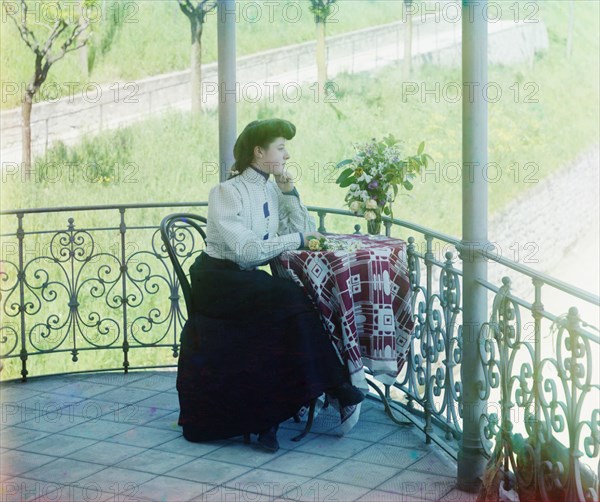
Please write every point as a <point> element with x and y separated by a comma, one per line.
<point>346,394</point>
<point>268,439</point>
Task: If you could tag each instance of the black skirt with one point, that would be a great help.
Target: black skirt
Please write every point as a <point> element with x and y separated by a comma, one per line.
<point>253,352</point>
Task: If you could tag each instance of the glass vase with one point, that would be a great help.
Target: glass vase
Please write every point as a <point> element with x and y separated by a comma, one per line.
<point>374,226</point>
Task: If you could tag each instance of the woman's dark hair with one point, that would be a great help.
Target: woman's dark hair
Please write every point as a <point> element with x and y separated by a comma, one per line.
<point>259,133</point>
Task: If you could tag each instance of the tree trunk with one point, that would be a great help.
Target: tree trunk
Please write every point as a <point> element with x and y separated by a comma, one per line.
<point>321,56</point>
<point>570,32</point>
<point>408,28</point>
<point>26,106</point>
<point>83,51</point>
<point>196,69</point>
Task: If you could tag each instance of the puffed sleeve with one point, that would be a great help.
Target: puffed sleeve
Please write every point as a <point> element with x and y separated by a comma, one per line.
<point>226,218</point>
<point>293,215</point>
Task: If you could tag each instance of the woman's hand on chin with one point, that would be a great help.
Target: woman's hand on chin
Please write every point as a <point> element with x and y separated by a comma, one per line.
<point>284,183</point>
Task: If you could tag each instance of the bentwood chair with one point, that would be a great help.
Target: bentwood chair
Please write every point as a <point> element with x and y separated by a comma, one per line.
<point>177,233</point>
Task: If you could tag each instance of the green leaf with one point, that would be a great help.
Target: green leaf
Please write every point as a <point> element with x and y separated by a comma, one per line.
<point>344,174</point>
<point>343,163</point>
<point>347,182</point>
<point>389,140</point>
<point>395,190</point>
<point>386,210</point>
<point>408,185</point>
<point>421,148</point>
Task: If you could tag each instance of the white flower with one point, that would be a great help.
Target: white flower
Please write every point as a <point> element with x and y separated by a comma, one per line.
<point>355,206</point>
<point>371,204</point>
<point>365,177</point>
<point>370,215</point>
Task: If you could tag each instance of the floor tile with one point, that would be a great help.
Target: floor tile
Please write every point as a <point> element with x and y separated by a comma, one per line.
<point>263,482</point>
<point>12,393</point>
<point>155,461</point>
<point>359,474</point>
<point>15,437</point>
<point>250,455</point>
<point>418,486</point>
<point>319,489</point>
<point>16,462</point>
<point>222,493</point>
<point>392,456</point>
<point>105,453</point>
<point>145,437</point>
<point>284,436</point>
<point>58,445</point>
<point>306,464</point>
<point>55,422</point>
<point>208,471</point>
<point>379,496</point>
<point>19,489</point>
<point>168,421</point>
<point>378,415</point>
<point>113,481</point>
<point>456,495</point>
<point>367,431</point>
<point>34,407</point>
<point>44,384</point>
<point>50,405</point>
<point>181,445</point>
<point>334,446</point>
<point>436,462</point>
<point>82,389</point>
<point>114,378</point>
<point>407,437</point>
<point>122,396</point>
<point>154,382</point>
<point>165,400</point>
<point>64,470</point>
<point>133,413</point>
<point>97,429</point>
<point>162,488</point>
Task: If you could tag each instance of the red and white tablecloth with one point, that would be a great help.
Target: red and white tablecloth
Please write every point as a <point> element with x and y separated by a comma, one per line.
<point>364,299</point>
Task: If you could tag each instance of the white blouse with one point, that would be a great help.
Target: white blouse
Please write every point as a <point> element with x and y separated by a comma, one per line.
<point>250,221</point>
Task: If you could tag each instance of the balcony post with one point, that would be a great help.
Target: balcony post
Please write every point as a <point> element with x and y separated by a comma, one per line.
<point>471,460</point>
<point>226,13</point>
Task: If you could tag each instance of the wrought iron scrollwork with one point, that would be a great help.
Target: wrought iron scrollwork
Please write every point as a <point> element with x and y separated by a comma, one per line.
<point>540,432</point>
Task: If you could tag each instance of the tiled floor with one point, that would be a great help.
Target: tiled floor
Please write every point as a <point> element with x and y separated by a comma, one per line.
<point>114,437</point>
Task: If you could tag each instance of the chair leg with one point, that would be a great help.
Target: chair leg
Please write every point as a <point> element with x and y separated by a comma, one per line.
<point>309,422</point>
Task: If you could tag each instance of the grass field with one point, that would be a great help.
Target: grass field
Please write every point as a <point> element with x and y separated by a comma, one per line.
<point>172,157</point>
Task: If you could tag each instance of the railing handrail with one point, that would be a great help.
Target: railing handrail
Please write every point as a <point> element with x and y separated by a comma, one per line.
<point>486,253</point>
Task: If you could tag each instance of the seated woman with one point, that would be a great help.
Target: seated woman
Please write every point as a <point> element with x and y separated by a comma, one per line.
<point>255,349</point>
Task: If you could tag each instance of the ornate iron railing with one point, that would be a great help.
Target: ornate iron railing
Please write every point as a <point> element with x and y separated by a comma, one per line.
<point>89,290</point>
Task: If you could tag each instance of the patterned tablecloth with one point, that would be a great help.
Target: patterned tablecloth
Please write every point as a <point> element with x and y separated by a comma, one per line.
<point>364,299</point>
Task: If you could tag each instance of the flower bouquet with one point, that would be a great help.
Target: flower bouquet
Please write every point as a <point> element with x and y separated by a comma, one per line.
<point>375,175</point>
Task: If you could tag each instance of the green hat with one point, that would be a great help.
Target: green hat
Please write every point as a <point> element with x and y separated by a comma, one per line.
<point>259,132</point>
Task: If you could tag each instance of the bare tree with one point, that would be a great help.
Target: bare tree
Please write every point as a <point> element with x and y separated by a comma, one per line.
<point>196,15</point>
<point>62,28</point>
<point>321,10</point>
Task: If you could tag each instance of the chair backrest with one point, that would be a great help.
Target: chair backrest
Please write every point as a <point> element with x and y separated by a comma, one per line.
<point>174,228</point>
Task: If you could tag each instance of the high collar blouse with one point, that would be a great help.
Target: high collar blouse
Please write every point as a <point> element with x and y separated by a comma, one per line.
<point>250,221</point>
